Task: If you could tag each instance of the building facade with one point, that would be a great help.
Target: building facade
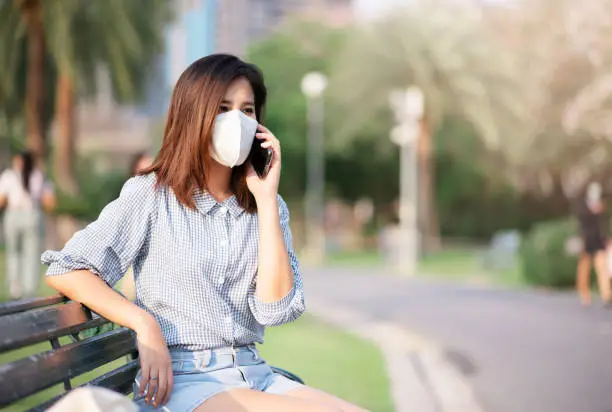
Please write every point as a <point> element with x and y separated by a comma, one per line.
<point>241,22</point>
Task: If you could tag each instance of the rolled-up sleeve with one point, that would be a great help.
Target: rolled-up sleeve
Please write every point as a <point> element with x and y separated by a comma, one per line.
<point>290,307</point>
<point>108,246</point>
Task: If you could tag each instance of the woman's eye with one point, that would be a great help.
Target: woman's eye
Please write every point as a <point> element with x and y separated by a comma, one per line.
<point>249,110</point>
<point>223,109</point>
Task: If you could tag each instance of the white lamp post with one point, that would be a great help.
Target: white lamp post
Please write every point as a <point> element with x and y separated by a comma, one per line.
<point>408,106</point>
<point>313,86</point>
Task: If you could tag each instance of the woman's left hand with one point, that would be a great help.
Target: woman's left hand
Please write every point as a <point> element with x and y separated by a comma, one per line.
<point>268,186</point>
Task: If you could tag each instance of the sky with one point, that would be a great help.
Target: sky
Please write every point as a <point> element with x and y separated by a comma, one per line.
<point>371,8</point>
<point>365,9</point>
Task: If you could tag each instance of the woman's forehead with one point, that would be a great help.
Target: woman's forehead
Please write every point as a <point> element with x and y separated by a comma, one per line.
<point>240,89</point>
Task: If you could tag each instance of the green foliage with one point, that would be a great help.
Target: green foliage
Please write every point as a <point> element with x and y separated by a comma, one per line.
<point>443,49</point>
<point>98,330</point>
<point>543,258</point>
<point>121,36</point>
<point>96,190</point>
<point>81,37</point>
<point>473,196</point>
<point>363,171</point>
<point>352,170</point>
<point>284,59</point>
<point>473,201</point>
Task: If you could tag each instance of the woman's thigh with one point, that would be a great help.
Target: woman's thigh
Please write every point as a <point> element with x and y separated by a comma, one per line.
<point>248,400</point>
<point>316,395</point>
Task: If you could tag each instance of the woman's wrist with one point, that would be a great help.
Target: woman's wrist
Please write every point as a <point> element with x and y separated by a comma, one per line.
<point>267,201</point>
<point>143,321</point>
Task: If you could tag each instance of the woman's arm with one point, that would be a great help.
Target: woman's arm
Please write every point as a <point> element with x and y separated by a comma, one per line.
<point>278,296</point>
<point>274,275</point>
<point>89,289</point>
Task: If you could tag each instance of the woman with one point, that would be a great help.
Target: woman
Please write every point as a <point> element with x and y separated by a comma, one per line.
<point>593,228</point>
<point>23,193</point>
<point>211,248</point>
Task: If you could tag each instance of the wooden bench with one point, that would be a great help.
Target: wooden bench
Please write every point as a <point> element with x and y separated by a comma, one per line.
<point>87,342</point>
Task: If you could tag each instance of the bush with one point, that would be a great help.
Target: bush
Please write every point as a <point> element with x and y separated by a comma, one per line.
<point>544,260</point>
<point>96,191</point>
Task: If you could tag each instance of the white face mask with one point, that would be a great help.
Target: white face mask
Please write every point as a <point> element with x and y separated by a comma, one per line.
<point>232,138</point>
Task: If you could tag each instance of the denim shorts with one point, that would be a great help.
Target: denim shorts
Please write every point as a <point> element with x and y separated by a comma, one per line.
<point>200,375</point>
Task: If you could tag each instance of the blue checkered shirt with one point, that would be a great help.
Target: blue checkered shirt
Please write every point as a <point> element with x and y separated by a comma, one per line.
<point>195,270</point>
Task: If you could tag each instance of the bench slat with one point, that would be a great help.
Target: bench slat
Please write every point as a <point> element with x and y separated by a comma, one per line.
<point>37,372</point>
<point>29,304</point>
<point>34,326</point>
<point>119,380</point>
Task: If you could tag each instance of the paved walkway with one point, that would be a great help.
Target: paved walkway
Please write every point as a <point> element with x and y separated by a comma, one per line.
<point>421,377</point>
<point>521,351</point>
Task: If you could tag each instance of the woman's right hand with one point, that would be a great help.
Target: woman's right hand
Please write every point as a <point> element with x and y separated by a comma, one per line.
<point>155,364</point>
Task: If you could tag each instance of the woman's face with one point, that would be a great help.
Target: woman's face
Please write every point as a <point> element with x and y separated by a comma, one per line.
<point>239,96</point>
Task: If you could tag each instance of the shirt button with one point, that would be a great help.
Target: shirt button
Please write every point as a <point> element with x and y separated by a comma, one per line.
<point>223,211</point>
<point>228,320</point>
<point>220,280</point>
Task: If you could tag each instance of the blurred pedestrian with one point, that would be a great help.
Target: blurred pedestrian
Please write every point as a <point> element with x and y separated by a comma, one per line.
<point>140,161</point>
<point>593,230</point>
<point>24,194</point>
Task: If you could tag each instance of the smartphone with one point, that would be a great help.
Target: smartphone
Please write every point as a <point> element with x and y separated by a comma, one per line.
<point>261,158</point>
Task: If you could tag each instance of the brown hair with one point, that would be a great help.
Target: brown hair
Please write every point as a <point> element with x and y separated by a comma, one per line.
<point>185,152</point>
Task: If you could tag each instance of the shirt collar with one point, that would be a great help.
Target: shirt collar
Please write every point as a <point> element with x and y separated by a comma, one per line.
<point>206,204</point>
<point>234,207</point>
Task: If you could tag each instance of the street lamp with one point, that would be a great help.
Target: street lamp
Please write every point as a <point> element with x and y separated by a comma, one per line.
<point>408,106</point>
<point>313,86</point>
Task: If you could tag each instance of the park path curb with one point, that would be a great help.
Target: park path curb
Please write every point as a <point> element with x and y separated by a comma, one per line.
<point>420,376</point>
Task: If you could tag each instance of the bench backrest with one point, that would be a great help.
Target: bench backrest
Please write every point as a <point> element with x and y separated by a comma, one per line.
<point>73,349</point>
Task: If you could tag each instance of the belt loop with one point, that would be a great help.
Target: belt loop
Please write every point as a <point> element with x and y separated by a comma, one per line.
<point>234,357</point>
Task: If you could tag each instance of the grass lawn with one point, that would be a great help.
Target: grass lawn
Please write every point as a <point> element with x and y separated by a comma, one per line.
<point>323,356</point>
<point>367,258</point>
<point>461,264</point>
<point>465,264</point>
<point>334,361</point>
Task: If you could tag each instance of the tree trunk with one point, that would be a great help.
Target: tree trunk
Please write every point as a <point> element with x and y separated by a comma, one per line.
<point>428,212</point>
<point>32,15</point>
<point>64,147</point>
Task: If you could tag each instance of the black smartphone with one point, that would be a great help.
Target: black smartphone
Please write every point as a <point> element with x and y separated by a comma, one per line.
<point>261,158</point>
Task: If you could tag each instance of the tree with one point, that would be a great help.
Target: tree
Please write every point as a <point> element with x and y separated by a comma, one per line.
<point>563,54</point>
<point>121,36</point>
<point>78,37</point>
<point>445,50</point>
<point>285,58</point>
<point>352,171</point>
<point>31,16</point>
